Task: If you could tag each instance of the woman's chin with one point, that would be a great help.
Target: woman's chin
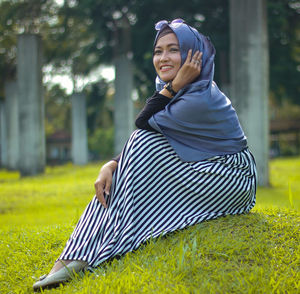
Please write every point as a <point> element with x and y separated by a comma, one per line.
<point>166,78</point>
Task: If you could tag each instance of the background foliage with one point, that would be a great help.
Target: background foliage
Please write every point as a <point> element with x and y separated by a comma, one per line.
<point>80,35</point>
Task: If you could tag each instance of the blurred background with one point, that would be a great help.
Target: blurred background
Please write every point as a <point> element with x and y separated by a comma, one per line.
<point>82,40</point>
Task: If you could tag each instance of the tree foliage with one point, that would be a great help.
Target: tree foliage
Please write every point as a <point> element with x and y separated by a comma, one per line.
<point>56,98</point>
<point>80,35</point>
<point>284,44</point>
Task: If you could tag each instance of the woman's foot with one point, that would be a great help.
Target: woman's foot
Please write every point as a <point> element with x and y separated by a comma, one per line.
<point>58,265</point>
<point>60,274</point>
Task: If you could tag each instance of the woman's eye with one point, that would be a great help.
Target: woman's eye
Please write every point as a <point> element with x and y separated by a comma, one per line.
<point>157,52</point>
<point>174,49</point>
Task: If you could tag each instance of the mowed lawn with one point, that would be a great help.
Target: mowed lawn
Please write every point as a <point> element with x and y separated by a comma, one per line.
<point>253,253</point>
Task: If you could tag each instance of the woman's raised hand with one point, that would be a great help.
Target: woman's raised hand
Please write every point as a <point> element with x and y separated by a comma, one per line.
<point>104,180</point>
<point>189,71</point>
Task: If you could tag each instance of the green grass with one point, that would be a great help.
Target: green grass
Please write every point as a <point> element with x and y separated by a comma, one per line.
<point>253,253</point>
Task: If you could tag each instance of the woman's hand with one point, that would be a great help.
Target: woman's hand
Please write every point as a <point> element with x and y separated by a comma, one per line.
<point>104,180</point>
<point>189,71</point>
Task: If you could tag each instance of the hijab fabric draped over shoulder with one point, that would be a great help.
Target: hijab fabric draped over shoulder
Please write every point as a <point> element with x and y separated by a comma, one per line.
<point>199,122</point>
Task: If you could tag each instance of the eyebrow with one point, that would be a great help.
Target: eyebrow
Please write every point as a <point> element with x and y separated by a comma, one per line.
<point>169,45</point>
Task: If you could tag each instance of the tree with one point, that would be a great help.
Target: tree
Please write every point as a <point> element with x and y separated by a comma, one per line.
<point>29,16</point>
<point>284,38</point>
<point>58,110</point>
<point>83,34</point>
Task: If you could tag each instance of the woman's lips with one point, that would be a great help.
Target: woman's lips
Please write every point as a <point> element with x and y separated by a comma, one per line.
<point>164,68</point>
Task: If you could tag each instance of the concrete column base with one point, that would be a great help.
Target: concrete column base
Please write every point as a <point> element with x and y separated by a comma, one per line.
<point>79,130</point>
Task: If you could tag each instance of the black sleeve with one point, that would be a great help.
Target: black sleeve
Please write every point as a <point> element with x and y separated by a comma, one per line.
<point>153,105</point>
<point>117,158</point>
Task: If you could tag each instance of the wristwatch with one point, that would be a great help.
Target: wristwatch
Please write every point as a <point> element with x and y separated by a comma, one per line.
<point>168,87</point>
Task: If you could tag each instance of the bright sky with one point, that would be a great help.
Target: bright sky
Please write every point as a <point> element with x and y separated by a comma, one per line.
<point>65,81</point>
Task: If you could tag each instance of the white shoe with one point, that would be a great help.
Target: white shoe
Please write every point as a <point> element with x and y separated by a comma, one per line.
<point>64,274</point>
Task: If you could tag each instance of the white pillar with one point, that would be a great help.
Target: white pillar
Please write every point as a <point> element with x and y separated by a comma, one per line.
<point>31,105</point>
<point>250,76</point>
<point>3,149</point>
<point>79,130</point>
<point>12,124</point>
<point>124,111</point>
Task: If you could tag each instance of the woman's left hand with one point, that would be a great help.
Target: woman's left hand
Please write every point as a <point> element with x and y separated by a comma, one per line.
<point>189,71</point>
<point>104,180</point>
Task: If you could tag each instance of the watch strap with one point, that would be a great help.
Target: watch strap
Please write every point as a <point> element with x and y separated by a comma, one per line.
<point>169,88</point>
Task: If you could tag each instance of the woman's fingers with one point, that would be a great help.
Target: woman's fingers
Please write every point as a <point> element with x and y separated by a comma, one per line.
<point>99,187</point>
<point>189,56</point>
<point>107,186</point>
<point>189,71</point>
<point>104,181</point>
<point>102,200</point>
<point>199,60</point>
<point>196,59</point>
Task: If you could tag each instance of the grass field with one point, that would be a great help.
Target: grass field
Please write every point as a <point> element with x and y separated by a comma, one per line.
<point>253,253</point>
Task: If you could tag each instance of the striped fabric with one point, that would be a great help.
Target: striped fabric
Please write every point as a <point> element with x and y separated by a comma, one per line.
<point>154,193</point>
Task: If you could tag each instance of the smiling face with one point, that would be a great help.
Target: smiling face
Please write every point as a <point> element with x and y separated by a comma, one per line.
<point>167,57</point>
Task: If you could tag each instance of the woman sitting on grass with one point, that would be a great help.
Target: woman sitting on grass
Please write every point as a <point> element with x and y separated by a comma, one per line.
<point>188,161</point>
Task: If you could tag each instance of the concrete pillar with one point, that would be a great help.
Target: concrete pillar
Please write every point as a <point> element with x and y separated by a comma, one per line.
<point>3,148</point>
<point>31,105</point>
<point>79,130</point>
<point>12,124</point>
<point>124,110</point>
<point>250,76</point>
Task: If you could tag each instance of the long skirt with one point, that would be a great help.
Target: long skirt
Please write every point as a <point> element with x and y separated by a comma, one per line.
<point>154,192</point>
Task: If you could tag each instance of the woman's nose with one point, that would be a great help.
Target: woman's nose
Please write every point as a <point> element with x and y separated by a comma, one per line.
<point>164,56</point>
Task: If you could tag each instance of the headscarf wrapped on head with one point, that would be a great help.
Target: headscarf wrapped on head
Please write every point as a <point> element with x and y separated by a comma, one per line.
<point>190,38</point>
<point>199,122</point>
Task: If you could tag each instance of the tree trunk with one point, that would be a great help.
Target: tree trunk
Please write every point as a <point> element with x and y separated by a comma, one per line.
<point>124,112</point>
<point>3,149</point>
<point>250,76</point>
<point>12,124</point>
<point>31,105</point>
<point>79,130</point>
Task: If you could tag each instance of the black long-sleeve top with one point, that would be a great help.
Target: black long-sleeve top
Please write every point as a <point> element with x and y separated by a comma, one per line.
<point>154,104</point>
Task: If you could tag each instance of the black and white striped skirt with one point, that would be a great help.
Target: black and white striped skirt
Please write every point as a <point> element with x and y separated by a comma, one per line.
<point>154,193</point>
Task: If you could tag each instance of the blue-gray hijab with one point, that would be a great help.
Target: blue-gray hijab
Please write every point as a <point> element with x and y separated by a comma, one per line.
<point>199,122</point>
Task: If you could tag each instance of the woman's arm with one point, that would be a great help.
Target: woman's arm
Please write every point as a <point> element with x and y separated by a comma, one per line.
<point>153,105</point>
